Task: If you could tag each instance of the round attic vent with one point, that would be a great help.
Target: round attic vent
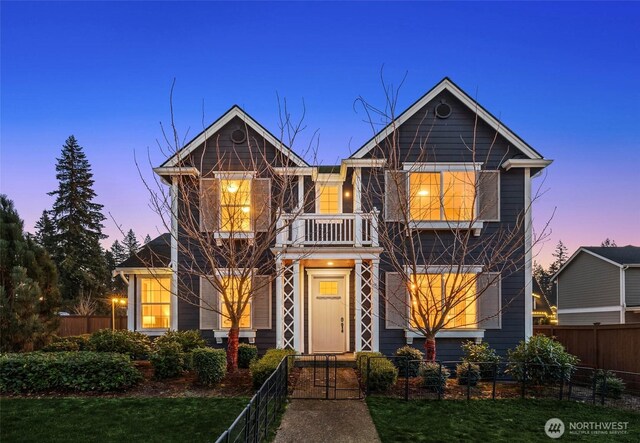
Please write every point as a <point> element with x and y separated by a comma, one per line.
<point>238,136</point>
<point>443,110</point>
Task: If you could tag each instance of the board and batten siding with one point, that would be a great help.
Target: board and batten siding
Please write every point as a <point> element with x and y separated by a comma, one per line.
<point>587,318</point>
<point>588,282</point>
<point>632,286</point>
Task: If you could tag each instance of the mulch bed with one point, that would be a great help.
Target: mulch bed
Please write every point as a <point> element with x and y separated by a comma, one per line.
<point>236,384</point>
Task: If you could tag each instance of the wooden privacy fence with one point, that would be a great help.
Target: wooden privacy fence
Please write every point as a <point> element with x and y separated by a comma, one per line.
<point>87,324</point>
<point>600,346</point>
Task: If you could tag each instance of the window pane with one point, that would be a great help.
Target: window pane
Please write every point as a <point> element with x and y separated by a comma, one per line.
<point>328,288</point>
<point>426,298</point>
<point>461,288</point>
<point>424,195</point>
<point>328,199</point>
<point>232,284</point>
<point>459,190</point>
<point>235,205</point>
<point>155,301</point>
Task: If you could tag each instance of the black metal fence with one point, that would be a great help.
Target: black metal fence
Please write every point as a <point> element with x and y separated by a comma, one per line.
<point>322,376</point>
<point>461,380</point>
<point>255,421</point>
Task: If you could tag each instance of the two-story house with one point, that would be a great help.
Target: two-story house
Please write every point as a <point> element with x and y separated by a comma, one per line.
<point>329,294</point>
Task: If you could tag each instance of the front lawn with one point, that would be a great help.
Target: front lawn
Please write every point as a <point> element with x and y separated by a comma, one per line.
<point>116,419</point>
<point>490,420</point>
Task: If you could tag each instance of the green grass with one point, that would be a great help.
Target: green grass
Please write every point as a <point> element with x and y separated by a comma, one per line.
<point>487,420</point>
<point>117,420</point>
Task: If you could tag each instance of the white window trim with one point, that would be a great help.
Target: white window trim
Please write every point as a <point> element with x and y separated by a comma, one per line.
<point>220,334</point>
<point>590,310</point>
<point>138,291</point>
<point>320,183</point>
<point>233,175</point>
<point>441,167</point>
<point>478,334</point>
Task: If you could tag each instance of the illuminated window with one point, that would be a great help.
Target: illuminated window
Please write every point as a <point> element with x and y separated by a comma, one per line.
<point>236,295</point>
<point>328,288</point>
<point>235,205</point>
<point>429,291</point>
<point>155,302</point>
<point>328,199</point>
<point>442,195</point>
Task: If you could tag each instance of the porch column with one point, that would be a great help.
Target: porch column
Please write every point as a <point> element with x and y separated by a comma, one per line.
<point>375,305</point>
<point>358,297</point>
<point>366,330</point>
<point>279,305</point>
<point>291,325</point>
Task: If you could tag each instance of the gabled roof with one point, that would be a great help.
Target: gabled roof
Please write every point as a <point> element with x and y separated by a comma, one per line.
<point>618,256</point>
<point>155,254</point>
<point>235,111</point>
<point>448,85</point>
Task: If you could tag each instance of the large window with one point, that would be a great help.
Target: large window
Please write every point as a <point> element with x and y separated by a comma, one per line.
<point>328,198</point>
<point>235,205</point>
<point>235,294</point>
<point>446,195</point>
<point>155,302</point>
<point>430,291</point>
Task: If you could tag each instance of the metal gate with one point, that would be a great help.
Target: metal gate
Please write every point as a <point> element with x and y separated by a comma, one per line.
<point>323,376</point>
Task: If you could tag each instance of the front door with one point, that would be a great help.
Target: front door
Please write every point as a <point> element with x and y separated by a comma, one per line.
<point>328,315</point>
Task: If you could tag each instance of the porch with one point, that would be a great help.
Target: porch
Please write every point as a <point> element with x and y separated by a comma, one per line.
<point>354,229</point>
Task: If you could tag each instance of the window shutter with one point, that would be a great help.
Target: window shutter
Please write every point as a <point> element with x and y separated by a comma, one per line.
<point>209,204</point>
<point>489,195</point>
<point>261,203</point>
<point>395,190</point>
<point>396,297</point>
<point>209,320</point>
<point>261,302</point>
<point>489,303</point>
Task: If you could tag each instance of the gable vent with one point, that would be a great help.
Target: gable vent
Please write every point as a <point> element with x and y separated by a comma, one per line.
<point>238,136</point>
<point>443,110</point>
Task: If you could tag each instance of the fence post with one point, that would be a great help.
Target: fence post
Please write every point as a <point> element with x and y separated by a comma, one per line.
<point>440,389</point>
<point>246,422</point>
<point>256,426</point>
<point>468,380</point>
<point>561,380</point>
<point>570,383</point>
<point>326,376</point>
<point>524,381</point>
<point>367,390</point>
<point>495,376</point>
<point>406,380</point>
<point>596,349</point>
<point>604,388</point>
<point>593,386</point>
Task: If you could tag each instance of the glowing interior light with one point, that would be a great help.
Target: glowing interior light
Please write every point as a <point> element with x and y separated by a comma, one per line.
<point>347,194</point>
<point>245,209</point>
<point>330,263</point>
<point>423,192</point>
<point>233,187</point>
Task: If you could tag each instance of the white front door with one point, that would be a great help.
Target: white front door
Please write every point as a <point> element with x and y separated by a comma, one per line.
<point>329,310</point>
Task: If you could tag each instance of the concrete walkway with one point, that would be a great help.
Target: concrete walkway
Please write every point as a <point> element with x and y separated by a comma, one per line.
<point>336,421</point>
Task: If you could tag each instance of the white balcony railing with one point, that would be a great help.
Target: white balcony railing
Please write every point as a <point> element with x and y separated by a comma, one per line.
<point>359,229</point>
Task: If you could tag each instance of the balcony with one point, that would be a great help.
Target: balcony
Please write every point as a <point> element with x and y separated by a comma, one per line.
<point>357,230</point>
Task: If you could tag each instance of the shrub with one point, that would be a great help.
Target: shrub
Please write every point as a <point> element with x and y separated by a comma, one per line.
<point>541,360</point>
<point>609,384</point>
<point>134,344</point>
<point>362,357</point>
<point>188,340</point>
<point>468,373</point>
<point>210,365</point>
<point>246,354</point>
<point>167,360</point>
<point>482,354</point>
<point>411,359</point>
<point>61,345</point>
<point>380,374</point>
<point>434,376</point>
<point>66,371</point>
<point>261,369</point>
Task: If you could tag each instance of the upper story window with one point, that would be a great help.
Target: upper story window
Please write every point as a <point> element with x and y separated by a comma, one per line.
<point>235,294</point>
<point>155,302</point>
<point>235,205</point>
<point>443,195</point>
<point>328,198</point>
<point>430,292</point>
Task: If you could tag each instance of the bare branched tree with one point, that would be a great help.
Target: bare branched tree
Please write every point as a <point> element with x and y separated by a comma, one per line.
<point>444,254</point>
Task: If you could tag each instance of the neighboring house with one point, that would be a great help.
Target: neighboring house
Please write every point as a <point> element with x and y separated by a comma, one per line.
<point>331,296</point>
<point>599,284</point>
<point>544,313</point>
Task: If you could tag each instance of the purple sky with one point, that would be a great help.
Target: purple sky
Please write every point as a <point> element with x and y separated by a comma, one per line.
<point>564,76</point>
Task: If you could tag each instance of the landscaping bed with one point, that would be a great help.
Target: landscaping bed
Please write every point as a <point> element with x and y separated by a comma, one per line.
<point>486,420</point>
<point>117,419</point>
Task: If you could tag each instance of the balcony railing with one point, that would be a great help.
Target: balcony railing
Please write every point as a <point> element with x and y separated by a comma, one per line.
<point>359,229</point>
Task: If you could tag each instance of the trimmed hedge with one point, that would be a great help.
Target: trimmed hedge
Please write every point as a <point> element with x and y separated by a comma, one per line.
<point>246,354</point>
<point>362,357</point>
<point>167,361</point>
<point>71,343</point>
<point>434,376</point>
<point>541,360</point>
<point>66,371</point>
<point>382,373</point>
<point>210,365</point>
<point>468,373</point>
<point>188,340</point>
<point>411,360</point>
<point>261,369</point>
<point>134,344</point>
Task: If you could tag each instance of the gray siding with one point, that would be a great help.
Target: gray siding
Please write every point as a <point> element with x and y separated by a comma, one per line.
<point>588,318</point>
<point>632,317</point>
<point>632,286</point>
<point>588,282</point>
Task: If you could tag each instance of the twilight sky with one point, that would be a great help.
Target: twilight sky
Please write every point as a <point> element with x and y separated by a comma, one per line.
<point>564,76</point>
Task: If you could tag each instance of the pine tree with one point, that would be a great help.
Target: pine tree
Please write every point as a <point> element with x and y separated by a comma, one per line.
<point>608,243</point>
<point>29,296</point>
<point>45,232</point>
<point>560,255</point>
<point>147,239</point>
<point>78,225</point>
<point>130,243</point>
<point>118,253</point>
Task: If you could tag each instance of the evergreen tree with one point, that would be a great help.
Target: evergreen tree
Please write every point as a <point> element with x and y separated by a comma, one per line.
<point>29,296</point>
<point>609,243</point>
<point>78,225</point>
<point>118,253</point>
<point>130,243</point>
<point>147,239</point>
<point>560,255</point>
<point>543,278</point>
<point>45,232</point>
